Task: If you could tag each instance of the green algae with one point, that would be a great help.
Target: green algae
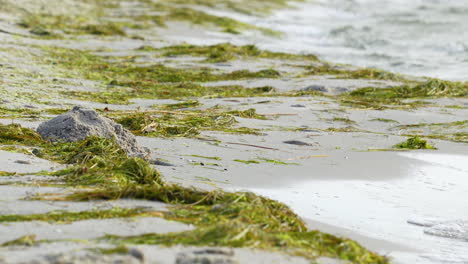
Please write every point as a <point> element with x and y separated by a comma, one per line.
<point>226,52</point>
<point>452,131</point>
<point>18,112</point>
<point>126,80</point>
<point>343,120</point>
<point>414,143</point>
<point>259,160</point>
<point>15,134</point>
<point>16,149</point>
<point>28,240</point>
<point>249,113</point>
<point>181,123</point>
<point>182,105</point>
<point>247,161</point>
<point>362,73</point>
<point>6,174</point>
<point>277,162</point>
<point>67,217</point>
<point>381,97</point>
<point>222,218</point>
<point>120,250</point>
<point>53,26</point>
<point>205,157</point>
<point>385,120</point>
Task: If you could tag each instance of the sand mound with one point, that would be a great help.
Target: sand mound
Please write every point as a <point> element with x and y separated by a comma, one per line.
<point>80,123</point>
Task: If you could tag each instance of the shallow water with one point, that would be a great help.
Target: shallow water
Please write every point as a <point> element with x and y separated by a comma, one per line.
<point>425,210</point>
<point>418,37</point>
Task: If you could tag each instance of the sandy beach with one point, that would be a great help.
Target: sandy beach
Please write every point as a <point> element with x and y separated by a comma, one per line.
<point>375,161</point>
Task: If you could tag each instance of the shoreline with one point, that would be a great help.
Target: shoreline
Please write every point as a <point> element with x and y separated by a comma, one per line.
<point>226,117</point>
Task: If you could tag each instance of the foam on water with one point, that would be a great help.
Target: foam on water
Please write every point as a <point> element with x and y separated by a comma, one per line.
<point>418,37</point>
<point>423,209</point>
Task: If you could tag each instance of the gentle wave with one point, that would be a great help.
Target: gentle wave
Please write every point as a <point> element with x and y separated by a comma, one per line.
<point>419,37</point>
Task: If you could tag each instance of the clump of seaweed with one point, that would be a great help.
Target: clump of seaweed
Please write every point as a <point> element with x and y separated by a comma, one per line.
<point>363,73</point>
<point>249,113</point>
<point>182,105</point>
<point>414,143</point>
<point>226,52</point>
<point>127,80</point>
<point>28,240</point>
<point>433,88</point>
<point>222,218</point>
<point>15,134</point>
<point>184,123</point>
<point>65,217</point>
<point>49,26</point>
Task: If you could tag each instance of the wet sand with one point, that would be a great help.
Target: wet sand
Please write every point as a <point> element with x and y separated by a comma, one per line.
<point>340,173</point>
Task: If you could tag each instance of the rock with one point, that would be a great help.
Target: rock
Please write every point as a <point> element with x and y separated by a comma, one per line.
<point>318,88</point>
<point>138,254</point>
<point>160,163</point>
<point>207,256</point>
<point>25,162</point>
<point>80,123</point>
<point>297,143</point>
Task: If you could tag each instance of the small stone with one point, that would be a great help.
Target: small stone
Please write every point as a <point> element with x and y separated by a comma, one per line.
<point>297,143</point>
<point>318,88</point>
<point>25,162</point>
<point>37,152</point>
<point>138,254</point>
<point>80,123</point>
<point>298,105</point>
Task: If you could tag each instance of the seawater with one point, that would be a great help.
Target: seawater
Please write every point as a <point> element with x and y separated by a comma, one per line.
<point>417,37</point>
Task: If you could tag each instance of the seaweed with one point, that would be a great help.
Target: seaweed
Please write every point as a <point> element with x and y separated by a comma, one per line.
<point>414,143</point>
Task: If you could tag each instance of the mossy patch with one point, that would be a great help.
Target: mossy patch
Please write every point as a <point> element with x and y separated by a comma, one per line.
<point>221,218</point>
<point>205,157</point>
<point>385,120</point>
<point>362,73</point>
<point>380,98</point>
<point>53,26</point>
<point>28,240</point>
<point>414,143</point>
<point>182,123</point>
<point>127,80</point>
<point>259,160</point>
<point>16,134</point>
<point>225,52</point>
<point>182,105</point>
<point>66,217</point>
<point>453,131</point>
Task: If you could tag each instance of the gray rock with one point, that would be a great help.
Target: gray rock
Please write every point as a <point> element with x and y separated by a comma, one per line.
<point>80,123</point>
<point>207,256</point>
<point>297,143</point>
<point>298,105</point>
<point>318,88</point>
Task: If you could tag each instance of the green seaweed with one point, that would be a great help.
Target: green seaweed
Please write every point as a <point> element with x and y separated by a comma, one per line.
<point>247,161</point>
<point>205,157</point>
<point>182,105</point>
<point>249,113</point>
<point>222,218</point>
<point>181,123</point>
<point>381,97</point>
<point>414,143</point>
<point>28,240</point>
<point>225,52</point>
<point>385,120</point>
<point>15,134</point>
<point>127,80</point>
<point>66,217</point>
